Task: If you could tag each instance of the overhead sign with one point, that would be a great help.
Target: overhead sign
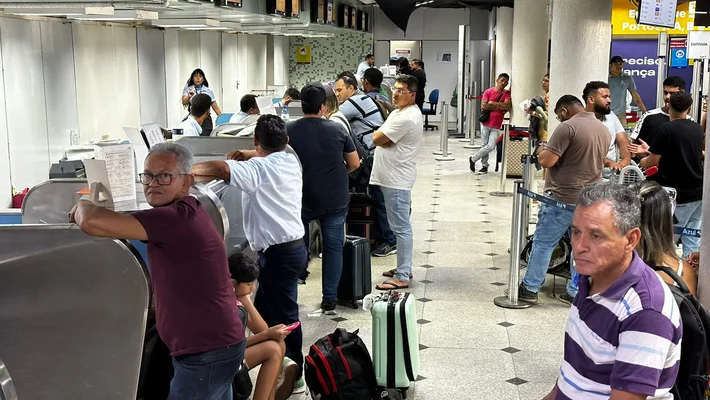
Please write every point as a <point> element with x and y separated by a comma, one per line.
<point>658,13</point>
<point>698,44</point>
<point>679,53</point>
<point>624,15</point>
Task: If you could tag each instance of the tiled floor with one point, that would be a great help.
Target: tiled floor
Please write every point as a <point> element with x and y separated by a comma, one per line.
<point>469,348</point>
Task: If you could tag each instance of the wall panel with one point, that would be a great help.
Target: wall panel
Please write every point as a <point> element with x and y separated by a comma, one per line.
<point>211,62</point>
<point>25,101</point>
<point>5,181</point>
<point>230,72</point>
<point>174,82</point>
<point>151,76</point>
<point>60,86</point>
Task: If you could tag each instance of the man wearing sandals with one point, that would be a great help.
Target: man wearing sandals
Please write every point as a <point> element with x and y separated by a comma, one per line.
<point>395,170</point>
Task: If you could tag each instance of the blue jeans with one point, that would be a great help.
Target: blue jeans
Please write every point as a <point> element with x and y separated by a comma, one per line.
<point>384,233</point>
<point>207,375</point>
<point>689,216</point>
<point>552,223</point>
<point>332,225</point>
<point>489,137</point>
<point>399,204</point>
<point>277,296</point>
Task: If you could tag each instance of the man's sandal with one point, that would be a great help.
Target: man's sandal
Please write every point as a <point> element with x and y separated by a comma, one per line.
<point>389,284</point>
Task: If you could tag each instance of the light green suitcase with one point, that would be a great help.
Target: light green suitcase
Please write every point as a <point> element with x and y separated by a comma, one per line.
<point>395,343</point>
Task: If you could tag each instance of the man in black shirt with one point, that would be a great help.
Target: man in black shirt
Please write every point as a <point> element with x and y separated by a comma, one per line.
<point>645,130</point>
<point>418,72</point>
<point>327,154</point>
<point>677,151</point>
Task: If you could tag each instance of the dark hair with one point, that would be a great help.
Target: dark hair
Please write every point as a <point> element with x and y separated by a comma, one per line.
<point>242,268</point>
<point>200,104</point>
<point>348,80</point>
<point>680,101</point>
<point>503,75</point>
<point>402,62</point>
<point>567,100</point>
<point>190,81</point>
<point>369,56</point>
<point>418,62</point>
<point>270,133</point>
<point>349,74</point>
<point>374,76</point>
<point>593,87</point>
<point>676,82</point>
<point>616,59</point>
<point>247,102</point>
<point>547,75</point>
<point>293,93</point>
<point>656,223</point>
<point>408,80</point>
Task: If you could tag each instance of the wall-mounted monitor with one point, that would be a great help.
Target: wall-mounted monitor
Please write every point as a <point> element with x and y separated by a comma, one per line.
<point>329,14</point>
<point>229,3</point>
<point>344,15</point>
<point>293,8</point>
<point>318,11</point>
<point>361,24</point>
<point>353,18</point>
<point>657,13</point>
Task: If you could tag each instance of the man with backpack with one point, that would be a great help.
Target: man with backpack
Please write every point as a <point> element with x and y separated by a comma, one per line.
<point>365,117</point>
<point>623,335</point>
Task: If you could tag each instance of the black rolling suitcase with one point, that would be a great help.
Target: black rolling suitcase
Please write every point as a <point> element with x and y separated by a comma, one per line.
<point>356,279</point>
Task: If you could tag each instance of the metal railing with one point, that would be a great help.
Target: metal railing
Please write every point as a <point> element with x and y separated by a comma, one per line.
<point>443,153</point>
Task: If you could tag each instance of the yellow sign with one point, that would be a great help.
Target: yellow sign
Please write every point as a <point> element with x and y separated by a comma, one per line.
<point>303,54</point>
<point>623,20</point>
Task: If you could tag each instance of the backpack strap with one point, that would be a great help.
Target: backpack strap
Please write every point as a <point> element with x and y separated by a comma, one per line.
<point>405,339</point>
<point>345,122</point>
<point>364,115</point>
<point>677,279</point>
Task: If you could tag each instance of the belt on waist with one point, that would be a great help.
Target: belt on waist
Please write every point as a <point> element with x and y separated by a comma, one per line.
<point>287,245</point>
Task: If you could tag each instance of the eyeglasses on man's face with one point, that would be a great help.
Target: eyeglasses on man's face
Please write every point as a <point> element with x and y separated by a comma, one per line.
<point>401,90</point>
<point>147,178</point>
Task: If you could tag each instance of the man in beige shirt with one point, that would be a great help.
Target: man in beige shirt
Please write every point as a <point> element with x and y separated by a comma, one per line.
<point>574,158</point>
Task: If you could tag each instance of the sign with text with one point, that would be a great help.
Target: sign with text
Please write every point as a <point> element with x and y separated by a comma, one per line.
<point>679,53</point>
<point>698,45</point>
<point>624,15</point>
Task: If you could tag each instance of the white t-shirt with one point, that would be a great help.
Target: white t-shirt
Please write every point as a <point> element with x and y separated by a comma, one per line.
<point>190,127</point>
<point>613,125</point>
<point>396,166</point>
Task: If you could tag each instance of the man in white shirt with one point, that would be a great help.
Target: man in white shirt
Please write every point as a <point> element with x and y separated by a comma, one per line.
<point>199,111</point>
<point>395,171</point>
<point>249,111</point>
<point>271,183</point>
<point>597,99</point>
<point>368,63</point>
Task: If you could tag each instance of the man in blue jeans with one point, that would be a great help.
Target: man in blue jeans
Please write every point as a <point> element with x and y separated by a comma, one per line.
<point>195,311</point>
<point>271,183</point>
<point>574,157</point>
<point>395,171</point>
<point>328,154</point>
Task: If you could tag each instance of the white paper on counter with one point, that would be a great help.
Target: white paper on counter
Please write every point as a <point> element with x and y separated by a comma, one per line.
<point>121,170</point>
<point>96,171</point>
<point>139,146</point>
<point>154,134</point>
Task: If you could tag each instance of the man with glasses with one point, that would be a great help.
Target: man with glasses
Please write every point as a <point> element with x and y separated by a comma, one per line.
<point>574,158</point>
<point>620,83</point>
<point>395,171</point>
<point>272,187</point>
<point>193,293</point>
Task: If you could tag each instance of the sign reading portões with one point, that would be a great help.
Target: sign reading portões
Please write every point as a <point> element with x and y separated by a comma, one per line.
<point>698,45</point>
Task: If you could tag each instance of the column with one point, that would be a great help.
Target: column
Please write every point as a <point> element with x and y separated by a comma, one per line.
<point>581,42</point>
<point>504,41</point>
<point>529,54</point>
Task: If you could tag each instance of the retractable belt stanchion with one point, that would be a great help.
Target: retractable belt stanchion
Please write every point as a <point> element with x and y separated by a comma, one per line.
<point>529,161</point>
<point>475,109</point>
<point>444,154</point>
<point>511,300</point>
<point>504,164</point>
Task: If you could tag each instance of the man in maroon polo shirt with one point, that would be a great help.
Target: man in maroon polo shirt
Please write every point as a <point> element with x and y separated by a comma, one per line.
<point>194,299</point>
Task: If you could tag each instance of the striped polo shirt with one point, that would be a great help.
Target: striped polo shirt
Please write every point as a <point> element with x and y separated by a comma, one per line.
<point>626,338</point>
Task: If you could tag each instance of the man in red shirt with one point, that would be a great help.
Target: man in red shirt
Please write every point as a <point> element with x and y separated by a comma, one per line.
<point>194,299</point>
<point>496,102</point>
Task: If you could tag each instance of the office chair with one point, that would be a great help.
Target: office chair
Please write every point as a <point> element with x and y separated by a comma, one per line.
<point>433,103</point>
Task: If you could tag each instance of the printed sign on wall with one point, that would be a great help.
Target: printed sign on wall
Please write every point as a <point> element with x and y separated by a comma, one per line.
<point>303,54</point>
<point>679,52</point>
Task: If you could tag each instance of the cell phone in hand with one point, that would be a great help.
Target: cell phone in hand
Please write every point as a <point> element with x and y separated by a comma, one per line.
<point>293,326</point>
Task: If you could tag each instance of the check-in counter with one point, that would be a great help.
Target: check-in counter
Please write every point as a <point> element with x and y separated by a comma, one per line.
<point>73,314</point>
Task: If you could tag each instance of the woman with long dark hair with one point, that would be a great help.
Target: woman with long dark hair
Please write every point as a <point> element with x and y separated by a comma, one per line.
<point>657,246</point>
<point>195,85</point>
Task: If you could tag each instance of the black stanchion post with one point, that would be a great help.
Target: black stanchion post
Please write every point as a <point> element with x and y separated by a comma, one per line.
<point>511,300</point>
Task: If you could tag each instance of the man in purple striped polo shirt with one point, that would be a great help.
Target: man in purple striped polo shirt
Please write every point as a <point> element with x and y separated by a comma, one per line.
<point>623,335</point>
